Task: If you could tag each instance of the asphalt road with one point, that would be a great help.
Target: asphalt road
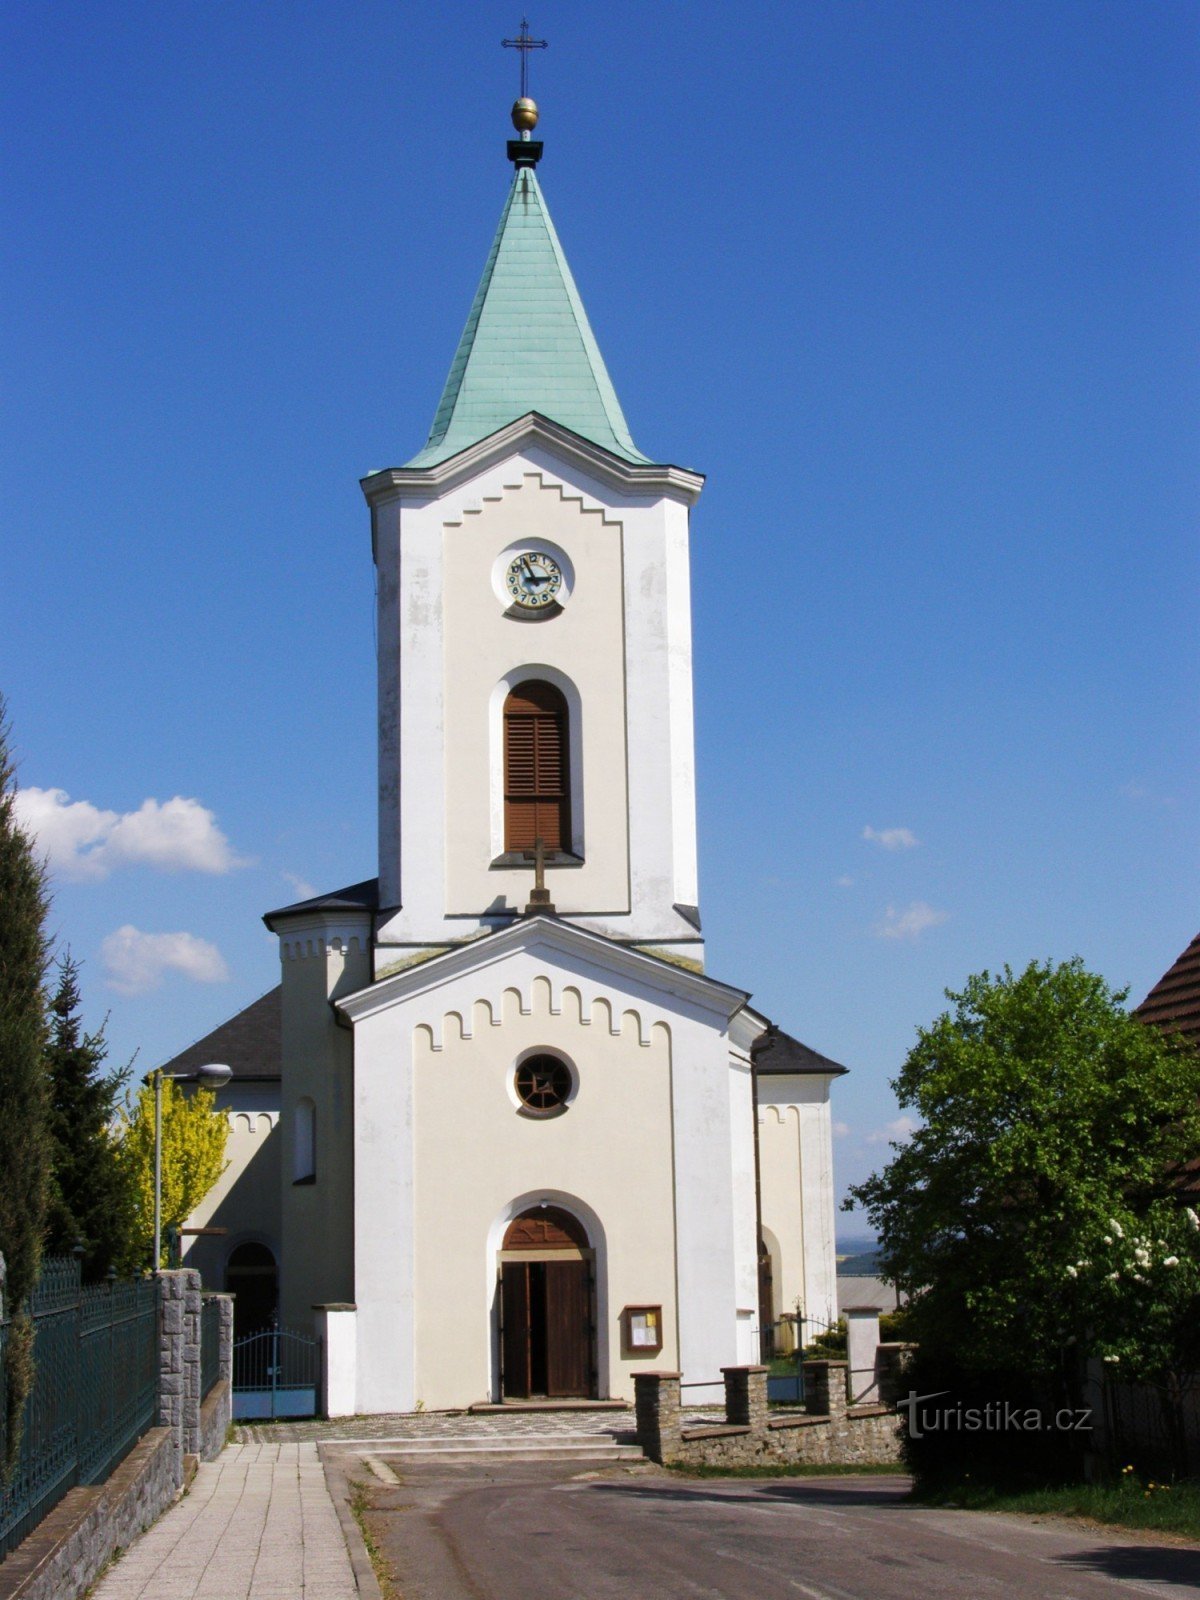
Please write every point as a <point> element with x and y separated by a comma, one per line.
<point>528,1531</point>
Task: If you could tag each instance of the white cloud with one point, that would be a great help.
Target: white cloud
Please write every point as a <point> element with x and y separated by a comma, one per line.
<point>301,888</point>
<point>910,923</point>
<point>892,838</point>
<point>901,1128</point>
<point>136,961</point>
<point>845,881</point>
<point>1142,794</point>
<point>840,1130</point>
<point>85,843</point>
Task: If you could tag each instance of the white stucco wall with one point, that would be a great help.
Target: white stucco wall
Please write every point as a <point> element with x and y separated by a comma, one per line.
<point>443,646</point>
<point>245,1198</point>
<point>322,956</point>
<point>796,1166</point>
<point>652,1149</point>
<point>487,652</point>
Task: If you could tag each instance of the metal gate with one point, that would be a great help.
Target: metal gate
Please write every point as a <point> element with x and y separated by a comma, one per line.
<point>276,1373</point>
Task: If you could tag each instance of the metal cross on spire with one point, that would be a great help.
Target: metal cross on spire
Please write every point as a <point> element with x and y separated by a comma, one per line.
<point>524,44</point>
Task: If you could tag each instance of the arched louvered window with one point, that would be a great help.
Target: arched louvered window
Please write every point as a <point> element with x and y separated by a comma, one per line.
<point>537,801</point>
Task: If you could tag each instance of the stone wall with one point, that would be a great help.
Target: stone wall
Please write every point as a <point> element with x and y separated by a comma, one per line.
<point>216,1410</point>
<point>752,1435</point>
<point>67,1549</point>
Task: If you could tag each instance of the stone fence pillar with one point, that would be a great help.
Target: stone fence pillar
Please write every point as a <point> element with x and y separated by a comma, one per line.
<point>862,1341</point>
<point>892,1362</point>
<point>825,1388</point>
<point>225,1351</point>
<point>745,1397</point>
<point>179,1361</point>
<point>337,1333</point>
<point>659,1414</point>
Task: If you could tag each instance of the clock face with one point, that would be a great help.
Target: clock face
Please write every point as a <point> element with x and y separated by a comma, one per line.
<point>533,579</point>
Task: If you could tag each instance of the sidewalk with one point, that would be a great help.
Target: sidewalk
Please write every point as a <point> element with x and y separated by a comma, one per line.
<point>257,1524</point>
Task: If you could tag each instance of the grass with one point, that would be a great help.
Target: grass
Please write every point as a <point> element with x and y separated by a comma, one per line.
<point>1131,1502</point>
<point>359,1506</point>
<point>795,1469</point>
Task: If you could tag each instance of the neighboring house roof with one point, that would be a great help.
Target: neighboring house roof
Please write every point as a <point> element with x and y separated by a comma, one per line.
<point>250,1043</point>
<point>776,1053</point>
<point>1174,1006</point>
<point>356,897</point>
<point>527,345</point>
<point>854,1293</point>
<point>1174,1002</point>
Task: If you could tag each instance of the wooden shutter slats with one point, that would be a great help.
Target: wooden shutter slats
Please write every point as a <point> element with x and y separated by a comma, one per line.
<point>536,774</point>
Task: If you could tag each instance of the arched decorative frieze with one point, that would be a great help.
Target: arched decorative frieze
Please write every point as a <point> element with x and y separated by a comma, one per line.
<point>566,1006</point>
<point>483,1016</point>
<point>322,942</point>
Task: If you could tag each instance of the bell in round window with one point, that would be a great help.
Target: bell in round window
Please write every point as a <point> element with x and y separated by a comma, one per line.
<point>543,1084</point>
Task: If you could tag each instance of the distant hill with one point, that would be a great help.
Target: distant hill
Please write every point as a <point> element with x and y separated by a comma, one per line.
<point>863,1265</point>
<point>856,1244</point>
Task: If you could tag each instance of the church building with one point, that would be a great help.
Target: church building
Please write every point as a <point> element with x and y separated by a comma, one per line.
<point>518,1134</point>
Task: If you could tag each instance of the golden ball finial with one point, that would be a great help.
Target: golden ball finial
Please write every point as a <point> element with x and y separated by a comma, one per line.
<point>525,114</point>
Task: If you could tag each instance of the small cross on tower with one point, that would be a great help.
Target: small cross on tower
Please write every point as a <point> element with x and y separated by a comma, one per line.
<point>539,895</point>
<point>524,44</point>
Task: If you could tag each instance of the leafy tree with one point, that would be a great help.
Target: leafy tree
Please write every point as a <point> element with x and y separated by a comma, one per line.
<point>24,1146</point>
<point>90,1200</point>
<point>193,1156</point>
<point>1018,1213</point>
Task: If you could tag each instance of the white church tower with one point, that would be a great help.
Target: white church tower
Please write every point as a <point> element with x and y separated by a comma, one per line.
<point>535,645</point>
<point>530,1145</point>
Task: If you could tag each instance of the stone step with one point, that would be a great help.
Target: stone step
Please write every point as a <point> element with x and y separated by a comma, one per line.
<point>500,1442</point>
<point>597,1450</point>
<point>531,1408</point>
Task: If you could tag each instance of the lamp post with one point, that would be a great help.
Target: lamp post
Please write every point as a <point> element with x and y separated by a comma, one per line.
<point>211,1077</point>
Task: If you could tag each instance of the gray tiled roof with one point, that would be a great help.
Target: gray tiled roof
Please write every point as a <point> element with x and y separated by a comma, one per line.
<point>362,896</point>
<point>250,1043</point>
<point>776,1053</point>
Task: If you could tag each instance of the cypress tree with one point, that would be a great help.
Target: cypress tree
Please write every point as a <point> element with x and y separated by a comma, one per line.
<point>90,1203</point>
<point>24,1143</point>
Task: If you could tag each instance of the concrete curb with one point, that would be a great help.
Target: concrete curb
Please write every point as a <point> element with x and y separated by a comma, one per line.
<point>337,1482</point>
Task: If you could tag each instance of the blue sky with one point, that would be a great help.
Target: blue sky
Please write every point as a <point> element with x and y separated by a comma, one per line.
<point>914,284</point>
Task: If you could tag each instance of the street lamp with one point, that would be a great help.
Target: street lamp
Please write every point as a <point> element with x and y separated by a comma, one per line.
<point>211,1077</point>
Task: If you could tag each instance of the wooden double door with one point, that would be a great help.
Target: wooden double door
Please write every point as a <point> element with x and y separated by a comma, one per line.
<point>546,1332</point>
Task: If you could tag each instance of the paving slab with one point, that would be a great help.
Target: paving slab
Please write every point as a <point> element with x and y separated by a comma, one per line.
<point>257,1524</point>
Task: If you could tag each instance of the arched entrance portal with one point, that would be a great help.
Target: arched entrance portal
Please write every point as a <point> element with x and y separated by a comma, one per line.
<point>252,1278</point>
<point>547,1323</point>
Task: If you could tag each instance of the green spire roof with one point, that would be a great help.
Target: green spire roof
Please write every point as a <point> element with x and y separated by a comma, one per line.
<point>527,345</point>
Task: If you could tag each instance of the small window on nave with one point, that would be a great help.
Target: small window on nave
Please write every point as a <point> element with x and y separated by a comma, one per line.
<point>537,802</point>
<point>304,1142</point>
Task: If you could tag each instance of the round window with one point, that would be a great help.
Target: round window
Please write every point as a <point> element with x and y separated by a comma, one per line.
<point>543,1083</point>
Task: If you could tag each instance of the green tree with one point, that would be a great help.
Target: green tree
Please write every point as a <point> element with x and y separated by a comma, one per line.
<point>1050,1122</point>
<point>90,1199</point>
<point>24,1145</point>
<point>193,1157</point>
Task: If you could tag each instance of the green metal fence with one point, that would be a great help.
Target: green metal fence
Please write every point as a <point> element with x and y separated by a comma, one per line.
<point>95,1389</point>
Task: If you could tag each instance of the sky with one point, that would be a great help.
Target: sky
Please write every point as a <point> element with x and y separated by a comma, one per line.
<point>914,284</point>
